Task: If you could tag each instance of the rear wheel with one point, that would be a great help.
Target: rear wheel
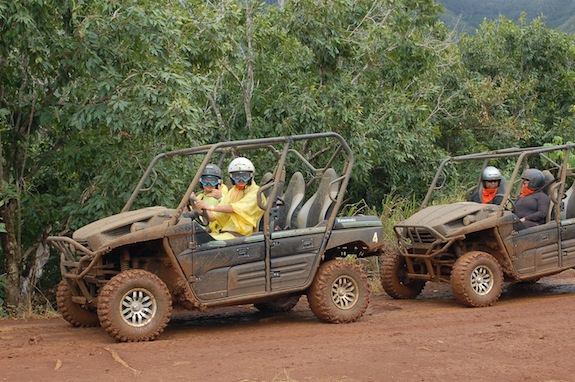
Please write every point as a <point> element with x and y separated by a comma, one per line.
<point>134,305</point>
<point>74,313</point>
<point>282,304</point>
<point>394,280</point>
<point>477,279</point>
<point>339,292</point>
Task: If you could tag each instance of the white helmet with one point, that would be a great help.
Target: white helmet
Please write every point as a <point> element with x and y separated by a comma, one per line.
<point>491,173</point>
<point>241,164</point>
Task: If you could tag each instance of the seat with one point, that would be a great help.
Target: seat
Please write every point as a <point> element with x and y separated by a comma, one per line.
<point>266,178</point>
<point>570,203</point>
<point>292,200</point>
<point>549,179</point>
<point>318,205</point>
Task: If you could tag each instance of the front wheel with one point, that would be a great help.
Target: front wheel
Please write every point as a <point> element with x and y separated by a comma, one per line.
<point>339,293</point>
<point>134,305</point>
<point>394,280</point>
<point>74,313</point>
<point>477,279</point>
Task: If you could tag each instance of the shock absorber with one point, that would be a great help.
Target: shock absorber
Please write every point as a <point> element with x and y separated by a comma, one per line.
<point>125,260</point>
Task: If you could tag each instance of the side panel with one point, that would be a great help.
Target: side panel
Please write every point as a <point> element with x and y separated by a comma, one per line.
<point>536,249</point>
<point>228,271</point>
<point>568,242</point>
<point>293,261</point>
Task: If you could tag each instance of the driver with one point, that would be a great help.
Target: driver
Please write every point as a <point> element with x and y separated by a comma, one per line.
<point>238,212</point>
<point>490,190</point>
<point>212,190</point>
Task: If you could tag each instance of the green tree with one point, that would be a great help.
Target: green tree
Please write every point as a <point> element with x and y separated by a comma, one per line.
<point>34,39</point>
<point>515,87</point>
<point>80,85</point>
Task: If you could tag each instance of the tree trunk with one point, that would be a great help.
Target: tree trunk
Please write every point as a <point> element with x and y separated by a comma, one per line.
<point>12,252</point>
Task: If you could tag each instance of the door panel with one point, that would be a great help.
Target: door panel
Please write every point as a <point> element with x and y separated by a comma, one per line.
<point>568,243</point>
<point>229,271</point>
<point>536,249</point>
<point>293,259</point>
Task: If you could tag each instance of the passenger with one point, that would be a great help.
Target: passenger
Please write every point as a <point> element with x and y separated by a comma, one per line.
<point>489,191</point>
<point>238,212</point>
<point>533,204</point>
<point>212,190</point>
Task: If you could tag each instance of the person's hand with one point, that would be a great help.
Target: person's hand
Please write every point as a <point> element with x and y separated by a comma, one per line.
<point>216,193</point>
<point>201,205</point>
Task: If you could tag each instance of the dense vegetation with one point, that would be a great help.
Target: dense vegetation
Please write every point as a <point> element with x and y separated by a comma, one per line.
<point>91,91</point>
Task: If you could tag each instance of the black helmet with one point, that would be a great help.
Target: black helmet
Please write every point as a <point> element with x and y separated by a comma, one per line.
<point>212,170</point>
<point>535,177</point>
<point>491,173</point>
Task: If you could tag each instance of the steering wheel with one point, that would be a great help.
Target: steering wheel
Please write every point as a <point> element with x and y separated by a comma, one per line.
<point>201,216</point>
<point>510,205</point>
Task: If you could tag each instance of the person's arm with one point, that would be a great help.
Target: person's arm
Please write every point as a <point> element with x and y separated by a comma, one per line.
<point>201,205</point>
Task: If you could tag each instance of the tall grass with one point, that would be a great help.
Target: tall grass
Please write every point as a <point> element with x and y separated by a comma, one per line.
<point>393,209</point>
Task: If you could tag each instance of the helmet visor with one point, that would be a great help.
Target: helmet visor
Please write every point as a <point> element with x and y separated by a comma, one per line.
<point>211,180</point>
<point>241,176</point>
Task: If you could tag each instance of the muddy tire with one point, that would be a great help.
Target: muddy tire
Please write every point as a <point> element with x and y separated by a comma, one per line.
<point>282,304</point>
<point>134,305</point>
<point>393,277</point>
<point>477,279</point>
<point>74,313</point>
<point>339,293</point>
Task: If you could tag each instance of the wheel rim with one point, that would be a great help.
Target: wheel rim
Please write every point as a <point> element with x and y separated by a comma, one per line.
<point>344,292</point>
<point>482,280</point>
<point>138,307</point>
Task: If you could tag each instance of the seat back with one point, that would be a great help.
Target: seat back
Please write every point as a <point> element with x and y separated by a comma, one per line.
<point>292,200</point>
<point>318,205</point>
<point>549,179</point>
<point>570,203</point>
<point>266,178</point>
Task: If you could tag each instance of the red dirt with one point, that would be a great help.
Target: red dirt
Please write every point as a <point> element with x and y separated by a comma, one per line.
<point>526,336</point>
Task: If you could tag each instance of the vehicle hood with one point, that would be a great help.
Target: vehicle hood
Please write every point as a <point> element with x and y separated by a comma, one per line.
<point>104,231</point>
<point>454,219</point>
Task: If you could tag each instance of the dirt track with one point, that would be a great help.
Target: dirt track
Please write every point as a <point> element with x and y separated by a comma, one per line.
<point>526,336</point>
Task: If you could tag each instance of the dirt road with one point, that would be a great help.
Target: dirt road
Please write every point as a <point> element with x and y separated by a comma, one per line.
<point>526,336</point>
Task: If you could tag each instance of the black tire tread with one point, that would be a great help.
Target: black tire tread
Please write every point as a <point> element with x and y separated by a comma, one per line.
<point>460,274</point>
<point>72,312</point>
<point>107,311</point>
<point>392,263</point>
<point>319,293</point>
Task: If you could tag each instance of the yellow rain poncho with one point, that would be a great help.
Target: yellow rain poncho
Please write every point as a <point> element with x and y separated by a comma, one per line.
<point>244,220</point>
<point>211,201</point>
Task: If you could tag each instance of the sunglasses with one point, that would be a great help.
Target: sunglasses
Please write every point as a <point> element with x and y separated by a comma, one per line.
<point>211,180</point>
<point>241,176</point>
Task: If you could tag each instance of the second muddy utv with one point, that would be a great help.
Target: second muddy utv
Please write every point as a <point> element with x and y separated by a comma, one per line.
<point>126,272</point>
<point>477,247</point>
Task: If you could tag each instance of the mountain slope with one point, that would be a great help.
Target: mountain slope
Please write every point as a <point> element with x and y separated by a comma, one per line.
<point>467,15</point>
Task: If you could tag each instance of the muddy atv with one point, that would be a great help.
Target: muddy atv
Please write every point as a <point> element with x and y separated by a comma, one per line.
<point>477,247</point>
<point>126,272</point>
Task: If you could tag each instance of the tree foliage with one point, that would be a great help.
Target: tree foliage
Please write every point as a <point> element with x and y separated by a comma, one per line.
<point>91,91</point>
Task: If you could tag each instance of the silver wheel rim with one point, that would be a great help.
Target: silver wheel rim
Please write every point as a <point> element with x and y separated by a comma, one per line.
<point>344,292</point>
<point>482,280</point>
<point>138,307</point>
